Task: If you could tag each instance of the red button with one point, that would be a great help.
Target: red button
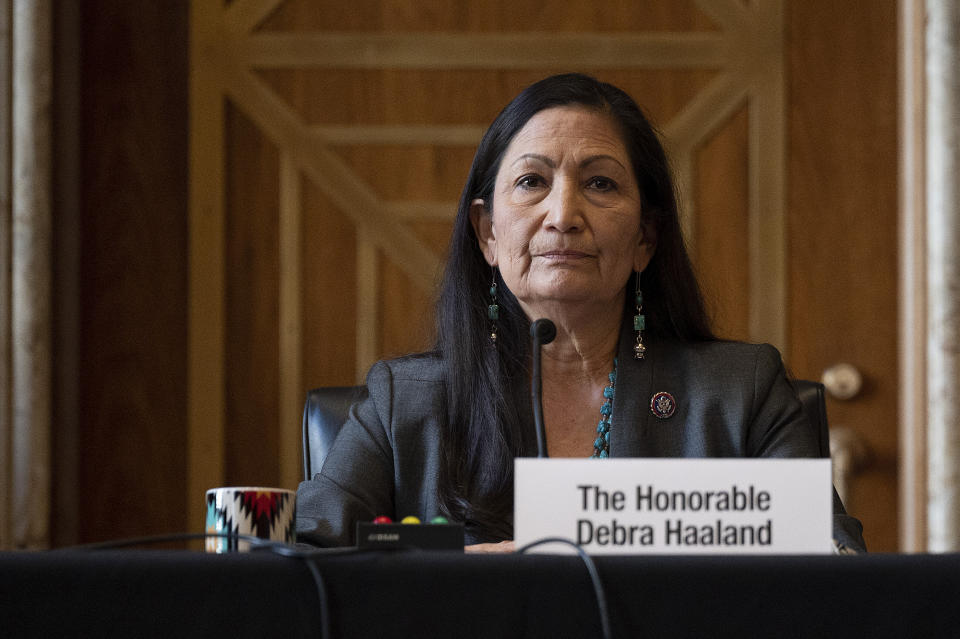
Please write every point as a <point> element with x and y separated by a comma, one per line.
<point>382,519</point>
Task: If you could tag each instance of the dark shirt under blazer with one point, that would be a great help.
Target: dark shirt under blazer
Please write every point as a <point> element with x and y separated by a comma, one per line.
<point>733,400</point>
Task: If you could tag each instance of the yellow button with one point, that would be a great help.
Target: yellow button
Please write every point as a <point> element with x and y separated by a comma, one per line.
<point>409,519</point>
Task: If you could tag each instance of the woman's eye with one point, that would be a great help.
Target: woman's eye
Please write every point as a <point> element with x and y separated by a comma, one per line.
<point>599,183</point>
<point>530,181</point>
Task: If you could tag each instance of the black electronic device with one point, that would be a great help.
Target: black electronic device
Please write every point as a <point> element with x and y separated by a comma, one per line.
<point>424,536</point>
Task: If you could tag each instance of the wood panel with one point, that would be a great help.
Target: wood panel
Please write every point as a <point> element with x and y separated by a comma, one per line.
<point>329,249</point>
<point>6,284</point>
<point>376,115</point>
<point>422,96</point>
<point>133,274</point>
<point>843,227</point>
<point>912,297</point>
<point>407,324</point>
<point>722,230</point>
<point>840,70</point>
<point>490,16</point>
<point>252,268</point>
<point>412,172</point>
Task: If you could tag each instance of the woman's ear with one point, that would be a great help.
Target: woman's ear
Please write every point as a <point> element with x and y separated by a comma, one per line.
<point>646,247</point>
<point>482,220</point>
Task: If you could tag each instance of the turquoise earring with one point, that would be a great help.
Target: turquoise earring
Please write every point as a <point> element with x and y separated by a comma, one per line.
<point>493,310</point>
<point>639,323</point>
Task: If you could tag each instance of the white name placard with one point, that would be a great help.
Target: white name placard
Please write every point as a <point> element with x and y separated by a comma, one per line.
<point>675,506</point>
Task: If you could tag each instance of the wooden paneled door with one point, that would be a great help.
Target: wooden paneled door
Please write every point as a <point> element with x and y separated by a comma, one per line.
<point>328,149</point>
<point>842,229</point>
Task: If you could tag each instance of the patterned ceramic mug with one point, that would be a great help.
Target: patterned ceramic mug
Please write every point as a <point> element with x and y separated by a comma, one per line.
<point>268,513</point>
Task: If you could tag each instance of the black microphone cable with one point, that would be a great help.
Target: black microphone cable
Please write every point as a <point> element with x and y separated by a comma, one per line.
<point>115,544</point>
<point>594,579</point>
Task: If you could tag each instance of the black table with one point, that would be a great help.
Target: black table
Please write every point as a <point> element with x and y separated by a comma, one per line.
<point>435,594</point>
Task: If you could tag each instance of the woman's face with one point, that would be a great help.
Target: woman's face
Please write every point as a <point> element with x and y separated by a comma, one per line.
<point>565,223</point>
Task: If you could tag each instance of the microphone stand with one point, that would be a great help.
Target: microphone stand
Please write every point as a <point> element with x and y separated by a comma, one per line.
<point>543,331</point>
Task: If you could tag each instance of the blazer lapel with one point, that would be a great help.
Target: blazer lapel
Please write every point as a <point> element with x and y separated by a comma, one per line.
<point>634,388</point>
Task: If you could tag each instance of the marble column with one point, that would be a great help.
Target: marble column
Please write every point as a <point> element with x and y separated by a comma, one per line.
<point>31,267</point>
<point>943,273</point>
<point>5,359</point>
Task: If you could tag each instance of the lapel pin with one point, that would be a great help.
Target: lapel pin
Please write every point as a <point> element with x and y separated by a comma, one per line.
<point>663,405</point>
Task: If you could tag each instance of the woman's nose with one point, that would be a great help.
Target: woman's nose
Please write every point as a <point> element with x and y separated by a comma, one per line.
<point>565,212</point>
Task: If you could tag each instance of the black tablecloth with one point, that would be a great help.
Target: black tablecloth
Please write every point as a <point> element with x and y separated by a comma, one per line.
<point>434,594</point>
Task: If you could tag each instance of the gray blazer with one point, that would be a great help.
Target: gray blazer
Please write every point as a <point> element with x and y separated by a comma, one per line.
<point>732,400</point>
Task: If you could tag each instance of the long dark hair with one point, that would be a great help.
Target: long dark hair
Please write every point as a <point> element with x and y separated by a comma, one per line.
<point>489,416</point>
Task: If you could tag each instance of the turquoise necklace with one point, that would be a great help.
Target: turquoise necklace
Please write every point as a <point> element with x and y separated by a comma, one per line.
<point>601,445</point>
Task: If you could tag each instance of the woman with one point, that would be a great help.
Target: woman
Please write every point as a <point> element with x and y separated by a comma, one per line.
<point>568,213</point>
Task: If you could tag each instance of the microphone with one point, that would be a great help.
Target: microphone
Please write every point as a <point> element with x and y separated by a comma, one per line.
<point>543,332</point>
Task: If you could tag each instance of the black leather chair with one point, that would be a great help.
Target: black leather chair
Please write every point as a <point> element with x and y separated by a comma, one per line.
<point>326,411</point>
<point>815,405</point>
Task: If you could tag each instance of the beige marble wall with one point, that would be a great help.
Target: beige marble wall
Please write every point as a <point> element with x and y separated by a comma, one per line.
<point>30,265</point>
<point>943,273</point>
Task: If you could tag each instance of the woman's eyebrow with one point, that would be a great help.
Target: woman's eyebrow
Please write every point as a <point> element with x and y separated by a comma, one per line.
<point>535,156</point>
<point>601,156</point>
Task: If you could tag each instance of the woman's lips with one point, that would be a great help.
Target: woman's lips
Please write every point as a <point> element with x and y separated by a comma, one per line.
<point>563,254</point>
